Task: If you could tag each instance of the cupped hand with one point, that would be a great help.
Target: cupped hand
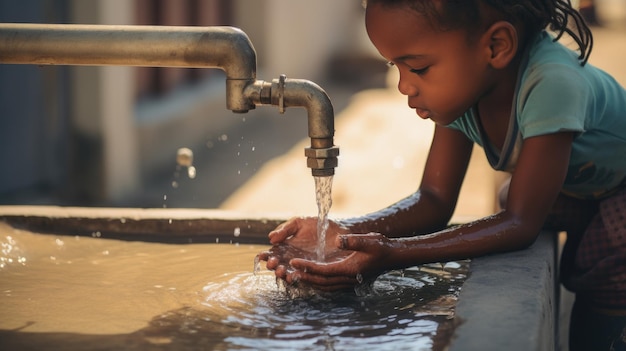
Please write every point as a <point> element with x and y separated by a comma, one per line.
<point>367,256</point>
<point>297,238</point>
<point>350,258</point>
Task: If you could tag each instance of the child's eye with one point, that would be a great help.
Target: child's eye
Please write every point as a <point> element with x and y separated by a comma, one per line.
<point>420,71</point>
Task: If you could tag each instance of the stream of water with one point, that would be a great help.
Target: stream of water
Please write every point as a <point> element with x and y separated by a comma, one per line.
<point>323,196</point>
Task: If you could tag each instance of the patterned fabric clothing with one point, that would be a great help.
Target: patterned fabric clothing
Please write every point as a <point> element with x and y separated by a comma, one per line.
<point>594,262</point>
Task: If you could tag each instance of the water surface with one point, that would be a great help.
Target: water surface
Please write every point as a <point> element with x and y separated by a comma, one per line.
<point>68,293</point>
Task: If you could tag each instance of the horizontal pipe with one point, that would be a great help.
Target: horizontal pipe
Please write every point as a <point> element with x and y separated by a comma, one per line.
<point>227,48</point>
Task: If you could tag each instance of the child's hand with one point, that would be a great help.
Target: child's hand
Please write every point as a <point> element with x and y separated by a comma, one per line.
<point>366,257</point>
<point>297,238</point>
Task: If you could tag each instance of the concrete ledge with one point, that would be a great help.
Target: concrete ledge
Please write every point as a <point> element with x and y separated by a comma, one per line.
<point>509,301</point>
<point>182,226</point>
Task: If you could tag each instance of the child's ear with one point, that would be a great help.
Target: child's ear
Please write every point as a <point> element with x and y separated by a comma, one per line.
<point>502,43</point>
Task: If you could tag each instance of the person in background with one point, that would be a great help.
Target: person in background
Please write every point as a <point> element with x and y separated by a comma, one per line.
<point>493,73</point>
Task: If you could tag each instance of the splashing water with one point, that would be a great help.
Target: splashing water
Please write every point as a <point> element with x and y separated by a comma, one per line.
<point>323,187</point>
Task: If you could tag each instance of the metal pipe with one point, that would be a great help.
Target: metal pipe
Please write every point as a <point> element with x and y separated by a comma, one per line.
<point>226,48</point>
<point>283,92</point>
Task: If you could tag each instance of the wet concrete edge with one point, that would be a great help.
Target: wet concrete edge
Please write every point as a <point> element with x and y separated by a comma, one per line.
<point>509,301</point>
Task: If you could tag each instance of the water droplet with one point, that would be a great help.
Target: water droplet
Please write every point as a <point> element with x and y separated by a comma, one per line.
<point>169,221</point>
<point>59,242</point>
<point>237,232</point>
<point>359,278</point>
<point>174,184</point>
<point>191,172</point>
<point>122,220</point>
<point>209,144</point>
<point>253,148</point>
<point>217,240</point>
<point>164,197</point>
<point>184,157</point>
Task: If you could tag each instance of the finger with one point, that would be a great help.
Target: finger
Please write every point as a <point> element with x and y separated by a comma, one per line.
<point>326,283</point>
<point>283,231</point>
<point>263,256</point>
<point>359,242</point>
<point>272,263</point>
<point>281,272</point>
<point>322,269</point>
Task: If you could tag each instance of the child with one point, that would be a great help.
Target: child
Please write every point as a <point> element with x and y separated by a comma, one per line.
<point>487,72</point>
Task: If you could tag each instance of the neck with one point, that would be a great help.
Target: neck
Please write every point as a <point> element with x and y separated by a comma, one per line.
<point>494,108</point>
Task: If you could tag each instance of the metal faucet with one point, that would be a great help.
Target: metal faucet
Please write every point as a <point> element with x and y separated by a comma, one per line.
<point>226,48</point>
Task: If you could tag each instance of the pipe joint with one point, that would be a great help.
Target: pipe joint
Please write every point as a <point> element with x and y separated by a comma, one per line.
<point>322,161</point>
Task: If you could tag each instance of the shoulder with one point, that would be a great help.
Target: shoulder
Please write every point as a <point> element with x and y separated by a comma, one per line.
<point>554,91</point>
<point>549,62</point>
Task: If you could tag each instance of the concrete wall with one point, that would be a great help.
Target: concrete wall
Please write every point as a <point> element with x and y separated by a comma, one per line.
<point>300,36</point>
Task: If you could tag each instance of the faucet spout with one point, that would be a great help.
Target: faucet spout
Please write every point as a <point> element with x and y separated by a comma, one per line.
<point>226,48</point>
<point>283,92</point>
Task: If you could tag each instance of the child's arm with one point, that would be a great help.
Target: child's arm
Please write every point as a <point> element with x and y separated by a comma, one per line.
<point>427,210</point>
<point>536,182</point>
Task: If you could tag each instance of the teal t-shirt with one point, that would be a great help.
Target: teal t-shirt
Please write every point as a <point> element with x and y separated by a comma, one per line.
<point>554,94</point>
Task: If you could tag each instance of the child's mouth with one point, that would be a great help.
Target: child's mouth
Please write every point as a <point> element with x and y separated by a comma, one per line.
<point>422,113</point>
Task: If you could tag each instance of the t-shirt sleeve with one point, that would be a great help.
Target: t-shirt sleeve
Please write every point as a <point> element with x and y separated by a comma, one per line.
<point>555,100</point>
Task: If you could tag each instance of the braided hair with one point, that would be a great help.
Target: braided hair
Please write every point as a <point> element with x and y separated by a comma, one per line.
<point>533,15</point>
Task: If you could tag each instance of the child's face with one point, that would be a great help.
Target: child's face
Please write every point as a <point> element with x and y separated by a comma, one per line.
<point>443,74</point>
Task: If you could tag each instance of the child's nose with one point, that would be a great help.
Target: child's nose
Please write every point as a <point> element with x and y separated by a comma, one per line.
<point>406,87</point>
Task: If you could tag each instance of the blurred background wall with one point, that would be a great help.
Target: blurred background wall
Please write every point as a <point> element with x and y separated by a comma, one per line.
<point>74,135</point>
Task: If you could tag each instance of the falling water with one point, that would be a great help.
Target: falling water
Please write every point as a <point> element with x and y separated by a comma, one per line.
<point>323,187</point>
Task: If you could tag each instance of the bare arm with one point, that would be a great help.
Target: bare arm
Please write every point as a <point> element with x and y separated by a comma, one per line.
<point>537,180</point>
<point>431,206</point>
